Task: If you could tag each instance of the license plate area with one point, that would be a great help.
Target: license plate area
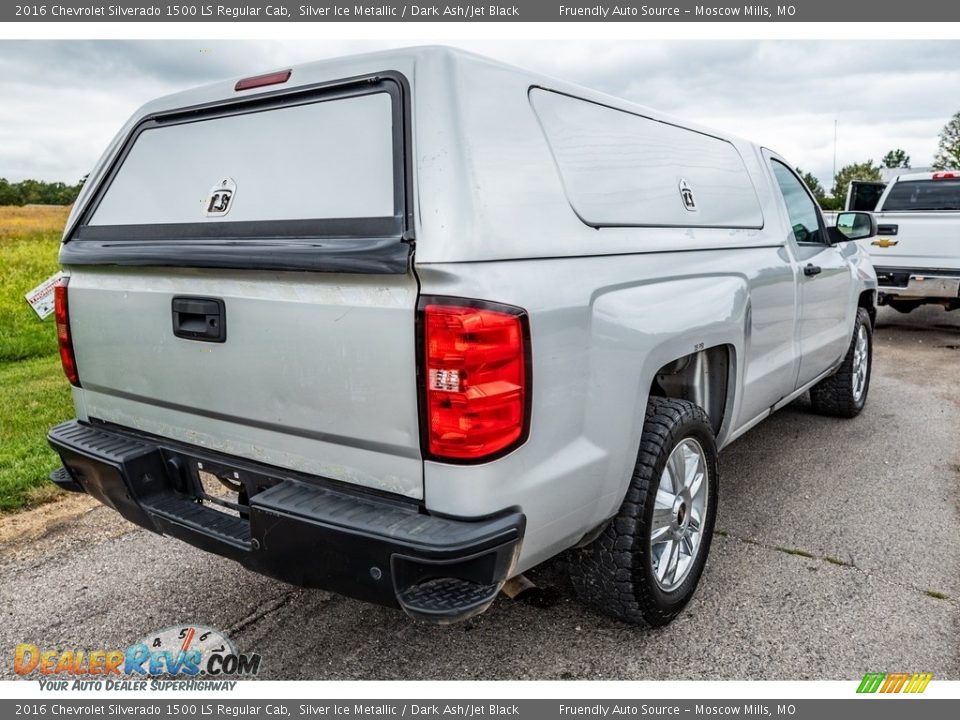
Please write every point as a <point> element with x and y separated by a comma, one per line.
<point>225,489</point>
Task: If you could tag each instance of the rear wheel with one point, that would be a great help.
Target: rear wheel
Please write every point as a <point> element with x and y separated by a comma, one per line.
<point>645,565</point>
<point>844,393</point>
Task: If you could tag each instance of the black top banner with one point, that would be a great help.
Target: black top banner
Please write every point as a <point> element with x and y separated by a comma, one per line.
<point>519,11</point>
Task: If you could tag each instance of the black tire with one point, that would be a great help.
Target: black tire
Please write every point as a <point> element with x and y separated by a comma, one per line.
<point>835,395</point>
<point>615,573</point>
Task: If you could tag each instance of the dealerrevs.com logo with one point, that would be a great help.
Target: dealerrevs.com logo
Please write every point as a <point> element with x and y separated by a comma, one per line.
<point>191,657</point>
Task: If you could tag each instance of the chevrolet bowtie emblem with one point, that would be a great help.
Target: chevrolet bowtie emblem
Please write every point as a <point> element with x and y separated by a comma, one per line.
<point>884,242</point>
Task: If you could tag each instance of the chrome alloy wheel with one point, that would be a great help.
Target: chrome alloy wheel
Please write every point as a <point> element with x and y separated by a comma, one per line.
<point>861,362</point>
<point>678,514</point>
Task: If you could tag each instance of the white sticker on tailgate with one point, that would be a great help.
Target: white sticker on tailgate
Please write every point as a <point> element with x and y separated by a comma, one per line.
<point>41,297</point>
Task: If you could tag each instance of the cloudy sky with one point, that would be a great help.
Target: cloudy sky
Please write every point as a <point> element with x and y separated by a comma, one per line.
<point>64,100</point>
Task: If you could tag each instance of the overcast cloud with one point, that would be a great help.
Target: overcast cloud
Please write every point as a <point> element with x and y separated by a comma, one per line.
<point>63,101</point>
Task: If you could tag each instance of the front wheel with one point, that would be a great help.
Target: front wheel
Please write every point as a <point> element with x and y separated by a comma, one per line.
<point>645,565</point>
<point>844,393</point>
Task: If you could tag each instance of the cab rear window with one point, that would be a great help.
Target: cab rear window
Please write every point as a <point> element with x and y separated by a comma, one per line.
<point>928,195</point>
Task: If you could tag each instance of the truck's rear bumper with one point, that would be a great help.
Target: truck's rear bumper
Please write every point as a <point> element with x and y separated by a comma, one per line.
<point>918,282</point>
<point>305,531</point>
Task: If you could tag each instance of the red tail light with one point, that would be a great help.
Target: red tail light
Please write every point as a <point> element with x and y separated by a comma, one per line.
<point>475,378</point>
<point>65,342</point>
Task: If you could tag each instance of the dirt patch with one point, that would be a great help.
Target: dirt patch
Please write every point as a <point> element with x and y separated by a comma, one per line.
<point>33,524</point>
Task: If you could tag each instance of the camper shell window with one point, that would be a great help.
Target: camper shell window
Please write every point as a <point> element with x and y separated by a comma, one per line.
<point>623,169</point>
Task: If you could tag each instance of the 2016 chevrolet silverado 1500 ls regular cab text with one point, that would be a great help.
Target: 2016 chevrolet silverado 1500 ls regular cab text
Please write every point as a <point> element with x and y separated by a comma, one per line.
<point>917,251</point>
<point>405,325</point>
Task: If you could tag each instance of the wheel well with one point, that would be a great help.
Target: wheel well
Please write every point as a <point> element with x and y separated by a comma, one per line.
<point>701,377</point>
<point>868,300</point>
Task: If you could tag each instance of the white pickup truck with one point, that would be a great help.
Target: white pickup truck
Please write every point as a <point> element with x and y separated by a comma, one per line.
<point>917,250</point>
<point>405,325</point>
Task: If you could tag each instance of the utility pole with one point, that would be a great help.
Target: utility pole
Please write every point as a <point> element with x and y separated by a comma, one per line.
<point>834,180</point>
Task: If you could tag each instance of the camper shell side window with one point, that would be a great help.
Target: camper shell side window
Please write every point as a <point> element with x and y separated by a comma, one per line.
<point>620,169</point>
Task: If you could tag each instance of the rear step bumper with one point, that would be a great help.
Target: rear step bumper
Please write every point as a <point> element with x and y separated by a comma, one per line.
<point>919,282</point>
<point>305,531</point>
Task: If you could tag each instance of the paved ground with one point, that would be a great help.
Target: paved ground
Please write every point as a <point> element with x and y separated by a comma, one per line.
<point>839,554</point>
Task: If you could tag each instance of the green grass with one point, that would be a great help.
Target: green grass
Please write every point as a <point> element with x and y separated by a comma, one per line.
<point>937,594</point>
<point>28,255</point>
<point>34,395</point>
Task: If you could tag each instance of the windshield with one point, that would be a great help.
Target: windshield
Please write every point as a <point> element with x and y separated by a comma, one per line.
<point>924,195</point>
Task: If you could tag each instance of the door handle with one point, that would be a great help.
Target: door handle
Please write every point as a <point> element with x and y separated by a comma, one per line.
<point>810,270</point>
<point>201,319</point>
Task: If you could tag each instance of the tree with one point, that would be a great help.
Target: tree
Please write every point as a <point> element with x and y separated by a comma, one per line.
<point>848,173</point>
<point>9,193</point>
<point>948,151</point>
<point>815,186</point>
<point>896,159</point>
<point>38,191</point>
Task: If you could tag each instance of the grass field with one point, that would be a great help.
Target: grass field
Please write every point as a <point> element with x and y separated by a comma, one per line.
<point>34,395</point>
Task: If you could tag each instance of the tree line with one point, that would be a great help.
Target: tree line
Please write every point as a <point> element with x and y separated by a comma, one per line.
<point>947,157</point>
<point>38,192</point>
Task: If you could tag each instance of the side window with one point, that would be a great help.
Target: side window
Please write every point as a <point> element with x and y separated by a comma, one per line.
<point>801,209</point>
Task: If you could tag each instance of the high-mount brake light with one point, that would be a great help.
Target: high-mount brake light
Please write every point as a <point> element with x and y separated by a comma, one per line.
<point>61,313</point>
<point>945,176</point>
<point>274,78</point>
<point>475,378</point>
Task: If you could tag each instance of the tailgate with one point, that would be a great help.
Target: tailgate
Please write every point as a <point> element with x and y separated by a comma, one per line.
<point>916,240</point>
<point>282,222</point>
<point>317,372</point>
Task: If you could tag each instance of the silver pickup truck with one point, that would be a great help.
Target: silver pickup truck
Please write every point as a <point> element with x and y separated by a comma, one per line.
<point>405,325</point>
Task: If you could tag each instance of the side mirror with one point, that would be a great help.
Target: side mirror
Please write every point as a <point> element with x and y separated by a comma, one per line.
<point>853,226</point>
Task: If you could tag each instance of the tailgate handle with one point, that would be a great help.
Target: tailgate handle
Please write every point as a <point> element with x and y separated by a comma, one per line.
<point>199,319</point>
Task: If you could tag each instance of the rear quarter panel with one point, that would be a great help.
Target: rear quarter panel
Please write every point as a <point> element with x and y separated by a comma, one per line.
<point>601,328</point>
